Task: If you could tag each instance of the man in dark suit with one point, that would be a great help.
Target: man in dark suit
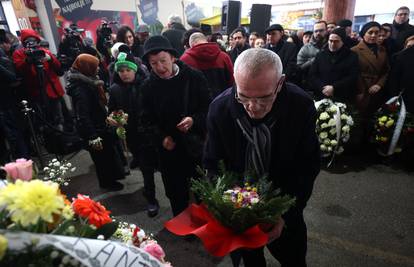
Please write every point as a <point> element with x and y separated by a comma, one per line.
<point>267,126</point>
<point>285,50</point>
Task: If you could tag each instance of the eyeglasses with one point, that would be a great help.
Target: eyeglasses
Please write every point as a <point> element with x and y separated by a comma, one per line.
<point>263,100</point>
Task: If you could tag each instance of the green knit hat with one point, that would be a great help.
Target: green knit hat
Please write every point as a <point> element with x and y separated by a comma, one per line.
<point>125,60</point>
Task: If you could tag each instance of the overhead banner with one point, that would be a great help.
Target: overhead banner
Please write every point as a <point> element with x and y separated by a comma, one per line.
<point>74,9</point>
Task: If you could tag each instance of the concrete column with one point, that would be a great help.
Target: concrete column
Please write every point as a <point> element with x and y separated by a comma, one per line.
<point>48,22</point>
<point>335,10</point>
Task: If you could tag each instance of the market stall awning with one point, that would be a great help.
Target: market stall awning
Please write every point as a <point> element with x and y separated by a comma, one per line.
<point>216,20</point>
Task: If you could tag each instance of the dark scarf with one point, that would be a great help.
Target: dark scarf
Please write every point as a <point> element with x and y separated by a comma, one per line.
<point>259,143</point>
<point>373,48</point>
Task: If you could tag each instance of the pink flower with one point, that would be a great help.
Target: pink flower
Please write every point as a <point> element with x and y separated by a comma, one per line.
<point>21,169</point>
<point>155,250</point>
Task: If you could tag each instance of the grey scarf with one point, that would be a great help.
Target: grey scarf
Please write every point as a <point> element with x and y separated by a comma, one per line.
<point>259,144</point>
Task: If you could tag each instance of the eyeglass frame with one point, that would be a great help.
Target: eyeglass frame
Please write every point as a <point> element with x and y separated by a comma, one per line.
<point>263,100</point>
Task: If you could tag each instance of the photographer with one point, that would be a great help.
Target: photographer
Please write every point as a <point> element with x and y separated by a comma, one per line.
<point>40,69</point>
<point>8,103</point>
<point>71,46</point>
<point>104,40</point>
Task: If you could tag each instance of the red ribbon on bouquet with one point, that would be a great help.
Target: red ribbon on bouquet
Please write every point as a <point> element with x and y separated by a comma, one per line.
<point>217,239</point>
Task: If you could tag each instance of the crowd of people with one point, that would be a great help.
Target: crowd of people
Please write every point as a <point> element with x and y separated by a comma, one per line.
<point>187,105</point>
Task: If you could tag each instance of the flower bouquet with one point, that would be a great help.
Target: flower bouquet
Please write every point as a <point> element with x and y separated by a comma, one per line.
<point>57,171</point>
<point>134,236</point>
<point>40,226</point>
<point>333,127</point>
<point>119,119</point>
<point>392,123</point>
<point>231,216</point>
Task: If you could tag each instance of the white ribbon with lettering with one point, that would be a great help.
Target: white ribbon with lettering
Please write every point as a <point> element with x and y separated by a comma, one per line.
<point>399,125</point>
<point>90,252</point>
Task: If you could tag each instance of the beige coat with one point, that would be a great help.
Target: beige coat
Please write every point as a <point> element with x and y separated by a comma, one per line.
<point>373,70</point>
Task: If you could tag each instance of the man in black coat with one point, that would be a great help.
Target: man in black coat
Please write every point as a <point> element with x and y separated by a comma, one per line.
<point>267,126</point>
<point>239,36</point>
<point>401,77</point>
<point>401,25</point>
<point>285,50</point>
<point>175,33</point>
<point>175,99</point>
<point>334,72</point>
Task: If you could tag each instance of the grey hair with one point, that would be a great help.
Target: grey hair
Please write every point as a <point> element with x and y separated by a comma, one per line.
<point>175,19</point>
<point>254,60</point>
<point>196,38</point>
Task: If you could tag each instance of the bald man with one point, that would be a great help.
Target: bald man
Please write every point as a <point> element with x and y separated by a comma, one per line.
<point>266,126</point>
<point>209,59</point>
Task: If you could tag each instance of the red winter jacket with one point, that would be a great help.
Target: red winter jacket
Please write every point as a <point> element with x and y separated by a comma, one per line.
<point>214,63</point>
<point>30,79</point>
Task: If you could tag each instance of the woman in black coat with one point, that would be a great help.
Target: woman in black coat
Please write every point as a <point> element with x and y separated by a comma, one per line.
<point>89,104</point>
<point>176,101</point>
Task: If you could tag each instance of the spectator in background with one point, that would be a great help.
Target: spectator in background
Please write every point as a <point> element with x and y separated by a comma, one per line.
<point>294,39</point>
<point>126,35</point>
<point>186,37</point>
<point>285,50</point>
<point>142,34</point>
<point>330,27</point>
<point>308,52</point>
<point>307,37</point>
<point>400,25</point>
<point>373,65</point>
<point>401,75</point>
<point>217,38</point>
<point>238,37</point>
<point>347,25</point>
<point>334,72</point>
<point>46,93</point>
<point>175,33</point>
<point>9,125</point>
<point>409,39</point>
<point>260,43</point>
<point>89,103</point>
<point>252,38</point>
<point>215,64</point>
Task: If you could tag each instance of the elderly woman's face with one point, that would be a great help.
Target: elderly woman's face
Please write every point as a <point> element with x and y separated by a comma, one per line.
<point>162,64</point>
<point>371,36</point>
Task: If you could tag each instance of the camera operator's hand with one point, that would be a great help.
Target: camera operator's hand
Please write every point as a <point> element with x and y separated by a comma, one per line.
<point>47,58</point>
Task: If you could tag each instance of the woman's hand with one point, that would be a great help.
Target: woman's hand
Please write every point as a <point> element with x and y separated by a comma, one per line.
<point>374,89</point>
<point>168,143</point>
<point>185,124</point>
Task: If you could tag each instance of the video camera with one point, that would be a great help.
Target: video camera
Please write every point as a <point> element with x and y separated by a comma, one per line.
<point>33,53</point>
<point>105,32</point>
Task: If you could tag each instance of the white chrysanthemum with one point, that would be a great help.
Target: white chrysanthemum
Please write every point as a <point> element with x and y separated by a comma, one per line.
<point>324,116</point>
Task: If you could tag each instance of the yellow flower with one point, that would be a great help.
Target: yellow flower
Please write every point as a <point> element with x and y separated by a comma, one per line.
<point>383,119</point>
<point>383,139</point>
<point>389,123</point>
<point>10,193</point>
<point>3,246</point>
<point>35,200</point>
<point>67,212</point>
<point>381,123</point>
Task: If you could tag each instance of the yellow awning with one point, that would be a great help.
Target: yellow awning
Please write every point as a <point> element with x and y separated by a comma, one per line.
<point>216,20</point>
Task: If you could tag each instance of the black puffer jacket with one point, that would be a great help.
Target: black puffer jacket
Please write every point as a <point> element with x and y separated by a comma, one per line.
<point>90,112</point>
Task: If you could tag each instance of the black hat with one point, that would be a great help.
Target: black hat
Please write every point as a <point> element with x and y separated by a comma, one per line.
<point>345,23</point>
<point>340,32</point>
<point>158,43</point>
<point>407,35</point>
<point>274,27</point>
<point>308,33</point>
<point>368,26</point>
